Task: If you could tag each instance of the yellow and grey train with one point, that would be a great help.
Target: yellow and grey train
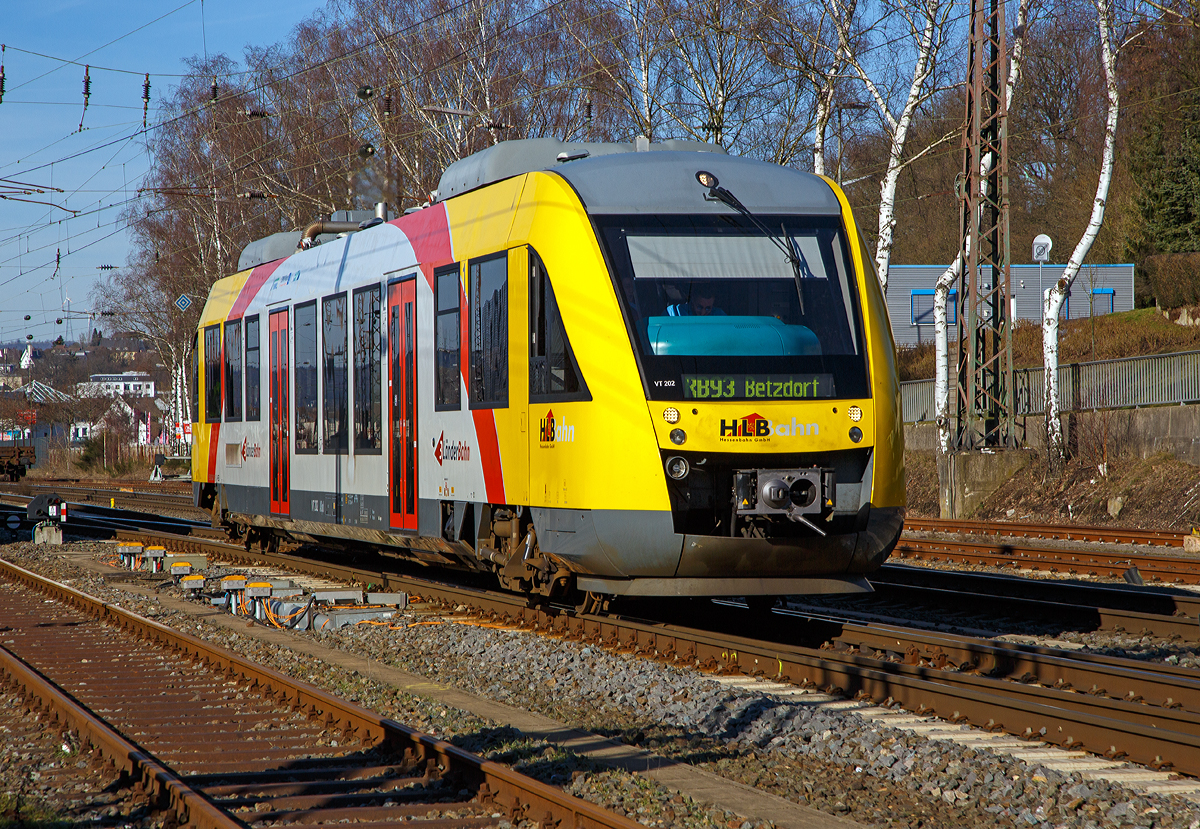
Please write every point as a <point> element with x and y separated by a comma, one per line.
<point>642,370</point>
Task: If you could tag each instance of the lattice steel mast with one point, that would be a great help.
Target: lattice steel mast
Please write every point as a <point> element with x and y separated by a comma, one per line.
<point>985,376</point>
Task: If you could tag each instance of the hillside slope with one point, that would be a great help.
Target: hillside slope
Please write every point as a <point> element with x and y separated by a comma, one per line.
<point>1129,334</point>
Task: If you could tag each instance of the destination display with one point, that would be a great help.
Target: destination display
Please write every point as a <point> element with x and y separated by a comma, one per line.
<point>757,386</point>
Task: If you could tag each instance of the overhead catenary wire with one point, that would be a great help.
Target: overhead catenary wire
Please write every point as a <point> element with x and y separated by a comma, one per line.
<point>339,57</point>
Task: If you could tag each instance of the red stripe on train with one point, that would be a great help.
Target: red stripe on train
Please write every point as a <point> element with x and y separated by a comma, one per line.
<point>489,454</point>
<point>258,277</point>
<point>214,435</point>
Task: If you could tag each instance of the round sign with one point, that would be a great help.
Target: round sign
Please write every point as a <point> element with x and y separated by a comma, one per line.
<point>13,521</point>
<point>1042,245</point>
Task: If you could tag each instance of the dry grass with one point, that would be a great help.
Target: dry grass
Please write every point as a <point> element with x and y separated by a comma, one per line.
<point>1110,337</point>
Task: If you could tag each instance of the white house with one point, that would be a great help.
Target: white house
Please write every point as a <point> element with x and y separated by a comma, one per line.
<point>127,383</point>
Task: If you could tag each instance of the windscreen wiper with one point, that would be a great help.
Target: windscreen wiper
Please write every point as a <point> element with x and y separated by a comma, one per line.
<point>783,241</point>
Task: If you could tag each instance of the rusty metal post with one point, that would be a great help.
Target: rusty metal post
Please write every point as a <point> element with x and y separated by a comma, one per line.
<point>985,373</point>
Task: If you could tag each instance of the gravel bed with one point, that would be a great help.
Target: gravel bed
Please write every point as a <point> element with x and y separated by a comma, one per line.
<point>641,799</point>
<point>45,781</point>
<point>833,761</point>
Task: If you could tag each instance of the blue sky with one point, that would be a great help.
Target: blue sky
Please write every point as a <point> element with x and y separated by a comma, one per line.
<point>101,166</point>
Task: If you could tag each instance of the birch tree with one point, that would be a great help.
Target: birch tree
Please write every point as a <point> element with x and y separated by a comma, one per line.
<point>1056,295</point>
<point>926,27</point>
<point>719,80</point>
<point>628,46</point>
<point>812,46</point>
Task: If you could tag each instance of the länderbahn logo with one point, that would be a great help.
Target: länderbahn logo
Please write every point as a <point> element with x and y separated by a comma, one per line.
<point>755,426</point>
<point>454,450</point>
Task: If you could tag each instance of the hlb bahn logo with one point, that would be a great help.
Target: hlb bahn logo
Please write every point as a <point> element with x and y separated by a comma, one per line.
<point>452,451</point>
<point>757,427</point>
<point>551,432</point>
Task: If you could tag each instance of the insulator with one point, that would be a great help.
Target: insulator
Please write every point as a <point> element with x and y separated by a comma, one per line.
<point>2,73</point>
<point>387,101</point>
<point>214,89</point>
<point>587,110</point>
<point>87,92</point>
<point>145,100</point>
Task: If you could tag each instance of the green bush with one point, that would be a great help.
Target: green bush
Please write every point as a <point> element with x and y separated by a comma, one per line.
<point>92,457</point>
<point>1174,278</point>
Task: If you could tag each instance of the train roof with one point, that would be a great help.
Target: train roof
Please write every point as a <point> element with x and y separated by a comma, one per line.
<point>657,183</point>
<point>644,177</point>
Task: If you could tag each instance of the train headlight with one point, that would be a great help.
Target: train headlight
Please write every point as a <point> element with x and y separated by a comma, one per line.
<point>706,179</point>
<point>855,434</point>
<point>678,437</point>
<point>855,413</point>
<point>803,493</point>
<point>677,467</point>
<point>671,414</point>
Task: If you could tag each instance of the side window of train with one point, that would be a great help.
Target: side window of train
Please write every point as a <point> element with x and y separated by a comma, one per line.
<point>212,374</point>
<point>554,375</point>
<point>335,374</point>
<point>253,370</point>
<point>368,370</point>
<point>306,378</point>
<point>233,370</point>
<point>446,336</point>
<point>487,281</point>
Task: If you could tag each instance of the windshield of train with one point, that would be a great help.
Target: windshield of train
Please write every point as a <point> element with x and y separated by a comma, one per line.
<point>720,310</point>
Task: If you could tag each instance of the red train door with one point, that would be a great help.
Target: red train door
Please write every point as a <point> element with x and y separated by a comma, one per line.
<point>402,382</point>
<point>279,415</point>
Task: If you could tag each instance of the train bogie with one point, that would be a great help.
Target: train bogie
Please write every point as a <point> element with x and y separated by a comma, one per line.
<point>608,373</point>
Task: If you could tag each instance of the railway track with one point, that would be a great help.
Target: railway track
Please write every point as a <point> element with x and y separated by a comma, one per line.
<point>1119,708</point>
<point>971,599</point>
<point>1059,532</point>
<point>221,742</point>
<point>1066,561</point>
<point>167,495</point>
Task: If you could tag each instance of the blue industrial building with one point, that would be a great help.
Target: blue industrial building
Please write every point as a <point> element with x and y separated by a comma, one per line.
<point>1099,289</point>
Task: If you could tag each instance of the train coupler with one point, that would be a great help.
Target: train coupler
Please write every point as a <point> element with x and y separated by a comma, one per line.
<point>799,494</point>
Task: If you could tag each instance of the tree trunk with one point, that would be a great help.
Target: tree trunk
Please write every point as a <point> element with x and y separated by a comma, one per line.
<point>1056,295</point>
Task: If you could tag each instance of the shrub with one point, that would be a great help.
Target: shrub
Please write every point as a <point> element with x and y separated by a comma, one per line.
<point>1174,278</point>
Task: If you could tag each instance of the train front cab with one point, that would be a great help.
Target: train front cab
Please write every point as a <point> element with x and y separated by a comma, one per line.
<point>775,385</point>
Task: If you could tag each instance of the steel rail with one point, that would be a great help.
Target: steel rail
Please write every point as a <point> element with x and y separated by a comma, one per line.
<point>495,784</point>
<point>1158,736</point>
<point>158,782</point>
<point>1061,532</point>
<point>1072,561</point>
<point>1094,674</point>
<point>136,499</point>
<point>1079,606</point>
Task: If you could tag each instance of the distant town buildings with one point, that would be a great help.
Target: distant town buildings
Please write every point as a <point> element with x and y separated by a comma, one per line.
<point>125,384</point>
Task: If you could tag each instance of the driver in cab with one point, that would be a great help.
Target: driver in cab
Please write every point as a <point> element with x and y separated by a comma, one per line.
<point>702,304</point>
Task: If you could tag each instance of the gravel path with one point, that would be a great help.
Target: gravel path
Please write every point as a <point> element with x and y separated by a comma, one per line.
<point>832,760</point>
